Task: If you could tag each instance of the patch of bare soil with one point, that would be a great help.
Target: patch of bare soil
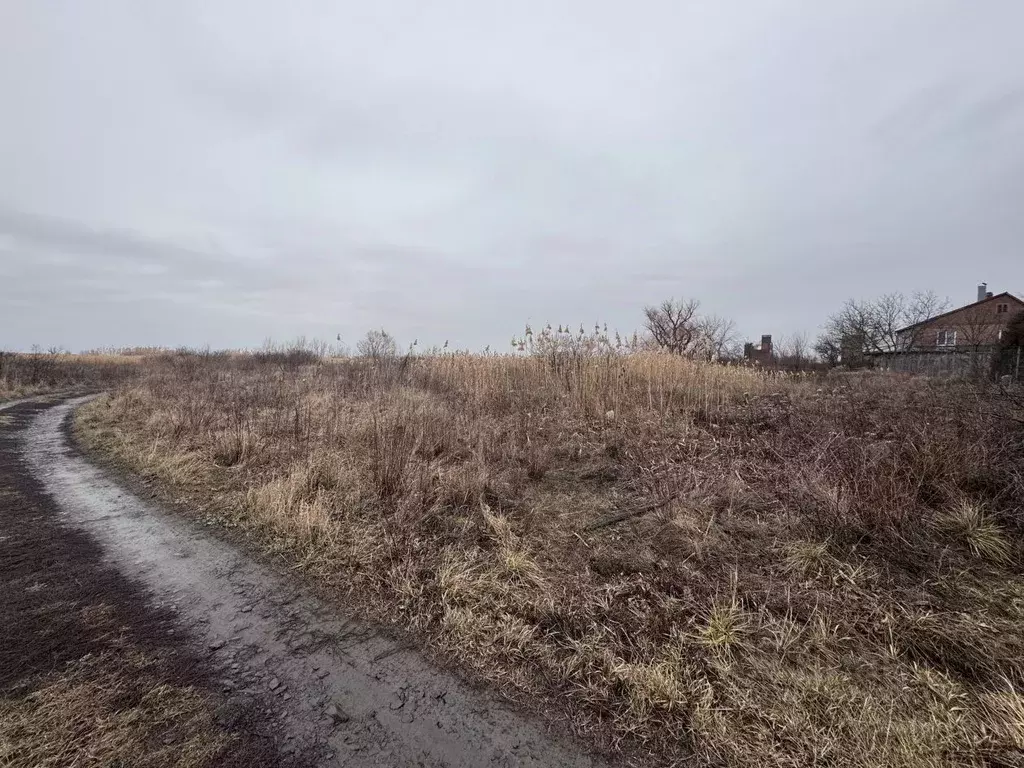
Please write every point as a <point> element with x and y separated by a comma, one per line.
<point>340,693</point>
<point>91,672</point>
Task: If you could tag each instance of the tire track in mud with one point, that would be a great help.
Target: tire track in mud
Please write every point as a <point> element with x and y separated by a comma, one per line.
<point>340,691</point>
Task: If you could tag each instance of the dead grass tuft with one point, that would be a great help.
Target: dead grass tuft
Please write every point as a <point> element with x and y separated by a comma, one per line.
<point>968,523</point>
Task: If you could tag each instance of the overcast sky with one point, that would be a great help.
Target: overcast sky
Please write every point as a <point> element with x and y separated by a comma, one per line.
<point>203,172</point>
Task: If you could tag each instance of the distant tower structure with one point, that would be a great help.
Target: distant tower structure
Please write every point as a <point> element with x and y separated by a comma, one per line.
<point>759,355</point>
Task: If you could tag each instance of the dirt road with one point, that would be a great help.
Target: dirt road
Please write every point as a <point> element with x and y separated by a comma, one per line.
<point>341,693</point>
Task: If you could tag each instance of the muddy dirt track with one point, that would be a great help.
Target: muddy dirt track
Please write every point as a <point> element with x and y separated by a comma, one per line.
<point>332,691</point>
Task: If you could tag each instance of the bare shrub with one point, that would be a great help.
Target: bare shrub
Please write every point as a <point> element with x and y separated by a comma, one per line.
<point>885,324</point>
<point>38,372</point>
<point>377,345</point>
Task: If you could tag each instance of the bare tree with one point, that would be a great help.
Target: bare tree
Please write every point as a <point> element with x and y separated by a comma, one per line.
<point>377,345</point>
<point>716,337</point>
<point>828,349</point>
<point>795,351</point>
<point>674,324</point>
<point>917,309</point>
<point>889,323</point>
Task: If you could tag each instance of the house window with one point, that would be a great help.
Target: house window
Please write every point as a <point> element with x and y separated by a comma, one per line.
<point>1002,308</point>
<point>946,339</point>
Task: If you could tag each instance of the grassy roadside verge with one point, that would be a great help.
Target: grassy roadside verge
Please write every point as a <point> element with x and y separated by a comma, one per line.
<point>90,673</point>
<point>24,375</point>
<point>687,563</point>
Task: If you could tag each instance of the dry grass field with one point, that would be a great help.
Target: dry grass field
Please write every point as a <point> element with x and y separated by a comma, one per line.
<point>686,563</point>
<point>37,373</point>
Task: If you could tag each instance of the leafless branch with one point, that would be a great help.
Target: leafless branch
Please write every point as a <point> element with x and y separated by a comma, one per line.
<point>673,324</point>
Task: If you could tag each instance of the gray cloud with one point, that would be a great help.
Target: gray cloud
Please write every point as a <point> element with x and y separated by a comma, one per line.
<point>222,172</point>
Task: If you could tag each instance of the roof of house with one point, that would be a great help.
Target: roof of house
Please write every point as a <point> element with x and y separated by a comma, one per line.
<point>1003,295</point>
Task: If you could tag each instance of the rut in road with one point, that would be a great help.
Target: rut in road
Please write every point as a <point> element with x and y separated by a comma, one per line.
<point>342,691</point>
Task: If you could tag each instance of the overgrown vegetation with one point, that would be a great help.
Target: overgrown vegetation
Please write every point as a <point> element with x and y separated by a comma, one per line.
<point>38,372</point>
<point>1008,355</point>
<point>877,325</point>
<point>689,563</point>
